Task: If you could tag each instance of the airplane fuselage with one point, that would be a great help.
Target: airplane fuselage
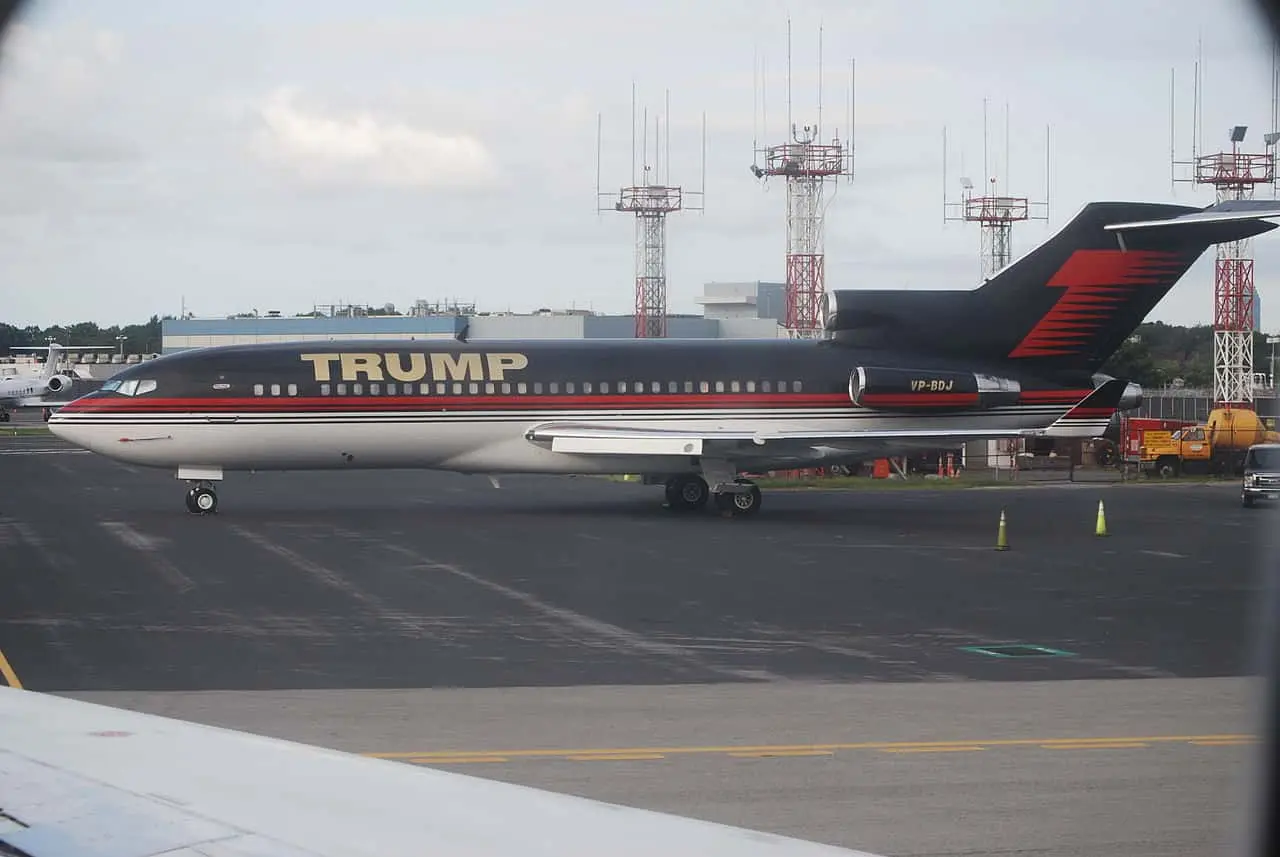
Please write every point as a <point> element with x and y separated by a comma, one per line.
<point>469,406</point>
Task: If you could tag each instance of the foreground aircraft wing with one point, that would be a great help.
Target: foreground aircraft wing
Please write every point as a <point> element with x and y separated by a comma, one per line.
<point>1087,418</point>
<point>84,779</point>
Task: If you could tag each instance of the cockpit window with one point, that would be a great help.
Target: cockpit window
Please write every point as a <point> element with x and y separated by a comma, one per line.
<point>129,388</point>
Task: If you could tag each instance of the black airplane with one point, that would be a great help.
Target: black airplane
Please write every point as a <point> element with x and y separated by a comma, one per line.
<point>896,372</point>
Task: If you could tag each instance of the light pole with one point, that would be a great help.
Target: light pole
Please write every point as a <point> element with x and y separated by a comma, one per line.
<point>1273,341</point>
<point>121,338</point>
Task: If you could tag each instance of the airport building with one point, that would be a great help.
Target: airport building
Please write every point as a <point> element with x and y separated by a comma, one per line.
<point>749,310</point>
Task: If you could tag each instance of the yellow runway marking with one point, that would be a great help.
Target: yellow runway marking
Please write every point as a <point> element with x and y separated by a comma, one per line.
<point>1224,742</point>
<point>615,757</point>
<point>1115,743</point>
<point>10,677</point>
<point>1097,745</point>
<point>458,760</point>
<point>957,749</point>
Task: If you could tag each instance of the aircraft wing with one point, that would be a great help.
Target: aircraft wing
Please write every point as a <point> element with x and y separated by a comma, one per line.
<point>1088,418</point>
<point>85,779</point>
<point>36,402</point>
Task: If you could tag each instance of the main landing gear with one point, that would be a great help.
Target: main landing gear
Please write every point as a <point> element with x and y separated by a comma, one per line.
<point>689,491</point>
<point>202,499</point>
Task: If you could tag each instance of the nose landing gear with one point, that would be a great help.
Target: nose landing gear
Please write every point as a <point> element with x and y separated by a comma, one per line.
<point>202,499</point>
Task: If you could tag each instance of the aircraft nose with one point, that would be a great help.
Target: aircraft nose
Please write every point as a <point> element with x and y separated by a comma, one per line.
<point>67,430</point>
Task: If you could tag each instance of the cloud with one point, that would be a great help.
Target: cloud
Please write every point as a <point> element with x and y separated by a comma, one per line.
<point>61,96</point>
<point>325,148</point>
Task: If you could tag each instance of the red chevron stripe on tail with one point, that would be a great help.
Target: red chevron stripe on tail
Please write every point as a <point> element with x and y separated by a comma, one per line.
<point>1096,284</point>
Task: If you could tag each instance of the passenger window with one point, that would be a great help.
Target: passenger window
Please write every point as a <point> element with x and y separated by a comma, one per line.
<point>719,386</point>
<point>688,386</point>
<point>655,387</point>
<point>275,389</point>
<point>424,389</point>
<point>325,389</point>
<point>391,389</point>
<point>473,388</point>
<point>357,389</point>
<point>622,386</point>
<point>145,387</point>
<point>735,387</point>
<point>441,388</point>
<point>342,389</point>
<point>766,386</point>
<point>569,387</point>
<point>796,387</point>
<point>489,388</point>
<point>704,387</point>
<point>782,386</point>
<point>374,389</point>
<point>506,388</point>
<point>522,388</point>
<point>553,387</point>
<point>586,387</point>
<point>637,386</point>
<point>257,388</point>
<point>751,386</point>
<point>537,388</point>
<point>457,388</point>
<point>293,389</point>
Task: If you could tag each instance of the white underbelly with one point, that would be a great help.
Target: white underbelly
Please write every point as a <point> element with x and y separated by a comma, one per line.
<point>473,443</point>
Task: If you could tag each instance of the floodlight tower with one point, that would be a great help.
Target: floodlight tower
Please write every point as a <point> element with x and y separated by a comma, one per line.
<point>994,213</point>
<point>650,201</point>
<point>807,165</point>
<point>1233,175</point>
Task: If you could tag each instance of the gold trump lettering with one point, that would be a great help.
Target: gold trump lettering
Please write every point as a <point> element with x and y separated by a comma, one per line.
<point>413,366</point>
<point>932,385</point>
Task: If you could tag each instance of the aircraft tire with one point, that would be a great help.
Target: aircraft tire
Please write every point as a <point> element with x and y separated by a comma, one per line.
<point>687,493</point>
<point>202,501</point>
<point>740,505</point>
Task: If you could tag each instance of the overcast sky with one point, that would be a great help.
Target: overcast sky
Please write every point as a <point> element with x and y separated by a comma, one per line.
<point>275,155</point>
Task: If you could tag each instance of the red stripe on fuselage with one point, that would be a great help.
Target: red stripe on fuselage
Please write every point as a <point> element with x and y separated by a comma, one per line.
<point>431,403</point>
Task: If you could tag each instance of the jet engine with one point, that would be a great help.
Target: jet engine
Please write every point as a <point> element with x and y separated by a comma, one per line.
<point>894,389</point>
<point>59,383</point>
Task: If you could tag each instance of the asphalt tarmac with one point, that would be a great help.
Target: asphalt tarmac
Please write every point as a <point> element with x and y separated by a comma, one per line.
<point>792,672</point>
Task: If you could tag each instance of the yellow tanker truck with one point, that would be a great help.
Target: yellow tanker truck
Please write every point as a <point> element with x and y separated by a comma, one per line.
<point>1218,445</point>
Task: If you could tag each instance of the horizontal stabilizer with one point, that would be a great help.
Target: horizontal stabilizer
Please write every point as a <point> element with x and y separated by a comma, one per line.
<point>1231,220</point>
<point>1092,414</point>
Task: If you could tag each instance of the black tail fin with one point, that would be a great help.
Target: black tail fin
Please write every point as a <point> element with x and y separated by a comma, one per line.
<point>1066,306</point>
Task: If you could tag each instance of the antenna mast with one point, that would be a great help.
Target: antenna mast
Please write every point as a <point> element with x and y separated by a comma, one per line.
<point>1233,175</point>
<point>650,201</point>
<point>807,165</point>
<point>994,213</point>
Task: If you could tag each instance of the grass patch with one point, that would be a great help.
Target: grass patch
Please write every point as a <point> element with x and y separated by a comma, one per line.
<point>22,431</point>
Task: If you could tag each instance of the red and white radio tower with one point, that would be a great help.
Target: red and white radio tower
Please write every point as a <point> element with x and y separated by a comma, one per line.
<point>650,201</point>
<point>1233,175</point>
<point>994,214</point>
<point>807,165</point>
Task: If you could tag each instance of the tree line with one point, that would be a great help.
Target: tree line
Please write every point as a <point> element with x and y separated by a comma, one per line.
<point>138,338</point>
<point>1159,354</point>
